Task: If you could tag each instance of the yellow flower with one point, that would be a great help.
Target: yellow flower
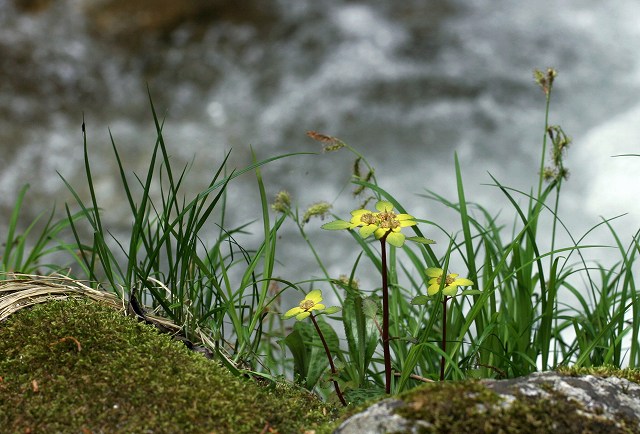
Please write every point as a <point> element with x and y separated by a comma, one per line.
<point>452,281</point>
<point>310,303</point>
<point>391,223</point>
<point>381,223</point>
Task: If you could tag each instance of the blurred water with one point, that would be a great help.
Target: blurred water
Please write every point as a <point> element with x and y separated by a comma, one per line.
<point>407,83</point>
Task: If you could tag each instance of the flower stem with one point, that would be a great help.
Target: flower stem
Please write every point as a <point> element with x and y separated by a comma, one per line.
<point>385,315</point>
<point>333,367</point>
<point>444,335</point>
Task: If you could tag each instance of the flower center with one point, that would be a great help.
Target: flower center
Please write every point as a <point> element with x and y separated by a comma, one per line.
<point>306,304</point>
<point>447,281</point>
<point>368,219</point>
<point>388,220</point>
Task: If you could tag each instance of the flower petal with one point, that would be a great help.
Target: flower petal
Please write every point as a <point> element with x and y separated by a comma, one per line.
<point>292,312</point>
<point>380,232</point>
<point>317,306</point>
<point>355,221</point>
<point>365,231</point>
<point>463,282</point>
<point>405,217</point>
<point>433,289</point>
<point>302,316</point>
<point>359,212</point>
<point>450,290</point>
<point>406,223</point>
<point>396,239</point>
<point>434,272</point>
<point>315,296</point>
<point>383,206</point>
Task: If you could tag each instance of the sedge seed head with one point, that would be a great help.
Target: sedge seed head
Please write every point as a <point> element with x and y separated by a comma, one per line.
<point>282,202</point>
<point>318,209</point>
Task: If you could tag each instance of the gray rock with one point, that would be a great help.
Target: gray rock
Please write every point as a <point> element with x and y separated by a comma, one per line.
<point>608,397</point>
<point>379,418</point>
<point>540,402</point>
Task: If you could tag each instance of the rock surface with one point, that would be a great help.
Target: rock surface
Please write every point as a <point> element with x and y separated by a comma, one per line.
<point>379,418</point>
<point>540,402</point>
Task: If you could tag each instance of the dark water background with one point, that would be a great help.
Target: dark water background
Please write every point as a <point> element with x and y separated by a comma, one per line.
<point>407,83</point>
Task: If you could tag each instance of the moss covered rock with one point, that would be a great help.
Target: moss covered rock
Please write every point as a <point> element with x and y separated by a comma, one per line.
<point>539,403</point>
<point>80,366</point>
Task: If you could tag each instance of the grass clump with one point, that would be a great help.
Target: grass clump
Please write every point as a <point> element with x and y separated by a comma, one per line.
<point>79,366</point>
<point>536,299</point>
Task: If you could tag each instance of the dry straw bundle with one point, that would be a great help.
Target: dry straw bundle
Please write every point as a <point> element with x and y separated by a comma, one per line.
<point>18,291</point>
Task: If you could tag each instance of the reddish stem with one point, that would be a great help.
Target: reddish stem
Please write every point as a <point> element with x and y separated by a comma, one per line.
<point>333,367</point>
<point>385,316</point>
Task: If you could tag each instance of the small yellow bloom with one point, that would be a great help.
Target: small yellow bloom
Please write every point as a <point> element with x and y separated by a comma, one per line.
<point>452,281</point>
<point>381,223</point>
<point>310,303</point>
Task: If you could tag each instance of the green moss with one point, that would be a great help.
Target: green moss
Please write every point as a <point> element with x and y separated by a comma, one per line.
<point>470,407</point>
<point>75,365</point>
<point>69,366</point>
<point>604,371</point>
<point>446,406</point>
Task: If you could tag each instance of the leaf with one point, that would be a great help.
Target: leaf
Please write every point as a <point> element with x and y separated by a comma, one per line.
<point>370,307</point>
<point>361,333</point>
<point>330,310</point>
<point>420,300</point>
<point>295,343</point>
<point>471,292</point>
<point>336,225</point>
<point>309,358</point>
<point>318,359</point>
<point>421,240</point>
<point>360,395</point>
